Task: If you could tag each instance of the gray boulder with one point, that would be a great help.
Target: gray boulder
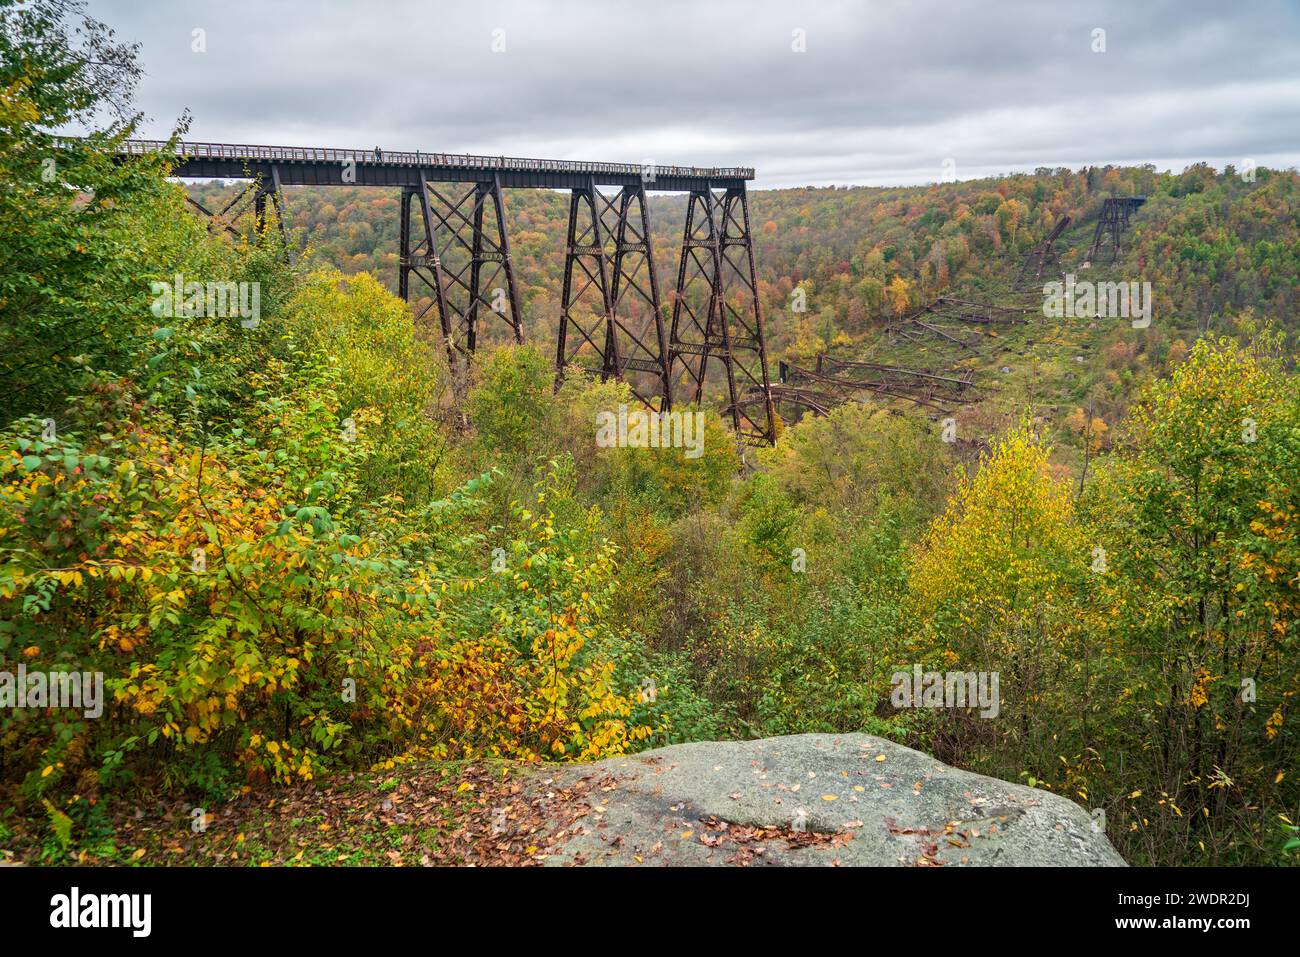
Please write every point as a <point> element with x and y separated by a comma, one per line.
<point>809,799</point>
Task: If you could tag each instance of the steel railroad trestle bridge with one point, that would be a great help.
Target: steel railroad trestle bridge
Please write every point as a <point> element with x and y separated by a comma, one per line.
<point>455,247</point>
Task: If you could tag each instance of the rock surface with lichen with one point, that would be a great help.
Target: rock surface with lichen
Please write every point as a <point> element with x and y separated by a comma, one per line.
<point>813,799</point>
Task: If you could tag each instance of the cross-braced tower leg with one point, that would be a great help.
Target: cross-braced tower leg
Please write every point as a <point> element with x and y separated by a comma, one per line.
<point>610,316</point>
<point>716,311</point>
<point>404,244</point>
<point>585,303</point>
<point>475,256</point>
<point>420,268</point>
<point>1114,219</point>
<point>268,187</point>
<point>262,183</point>
<point>462,256</point>
<point>516,320</point>
<point>1108,227</point>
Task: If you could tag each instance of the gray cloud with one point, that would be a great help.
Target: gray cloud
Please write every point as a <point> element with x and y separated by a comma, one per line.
<point>883,94</point>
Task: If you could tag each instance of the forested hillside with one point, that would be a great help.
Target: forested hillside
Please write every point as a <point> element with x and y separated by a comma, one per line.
<point>1211,243</point>
<point>1221,253</point>
<point>290,558</point>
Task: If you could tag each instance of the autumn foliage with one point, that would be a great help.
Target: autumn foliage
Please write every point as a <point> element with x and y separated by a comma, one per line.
<point>292,548</point>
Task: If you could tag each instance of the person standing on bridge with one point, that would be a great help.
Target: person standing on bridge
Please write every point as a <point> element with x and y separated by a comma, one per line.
<point>379,155</point>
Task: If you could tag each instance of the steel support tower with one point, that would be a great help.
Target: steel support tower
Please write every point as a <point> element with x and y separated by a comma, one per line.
<point>454,248</point>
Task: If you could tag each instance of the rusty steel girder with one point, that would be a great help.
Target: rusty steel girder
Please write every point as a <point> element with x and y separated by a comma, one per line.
<point>1042,255</point>
<point>844,380</point>
<point>788,402</point>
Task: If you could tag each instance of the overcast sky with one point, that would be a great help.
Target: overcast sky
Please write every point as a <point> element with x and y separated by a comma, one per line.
<point>881,94</point>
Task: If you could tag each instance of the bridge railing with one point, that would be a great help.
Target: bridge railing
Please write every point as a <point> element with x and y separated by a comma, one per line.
<point>315,154</point>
